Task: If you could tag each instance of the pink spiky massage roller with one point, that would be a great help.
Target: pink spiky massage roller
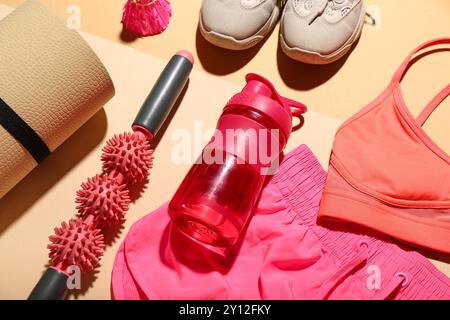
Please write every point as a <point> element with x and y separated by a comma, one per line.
<point>104,199</point>
<point>127,159</point>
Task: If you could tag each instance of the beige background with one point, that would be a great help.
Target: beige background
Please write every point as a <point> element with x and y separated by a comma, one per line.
<point>333,93</point>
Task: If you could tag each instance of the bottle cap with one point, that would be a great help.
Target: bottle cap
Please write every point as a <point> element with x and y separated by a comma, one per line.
<point>261,95</point>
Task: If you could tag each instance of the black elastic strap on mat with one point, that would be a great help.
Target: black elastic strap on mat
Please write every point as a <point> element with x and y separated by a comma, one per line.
<point>22,132</point>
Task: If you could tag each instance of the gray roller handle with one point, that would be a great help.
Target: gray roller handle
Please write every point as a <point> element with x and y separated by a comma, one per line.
<point>51,286</point>
<point>164,94</point>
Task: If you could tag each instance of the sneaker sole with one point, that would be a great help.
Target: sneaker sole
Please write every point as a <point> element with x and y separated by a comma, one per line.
<point>230,43</point>
<point>312,57</point>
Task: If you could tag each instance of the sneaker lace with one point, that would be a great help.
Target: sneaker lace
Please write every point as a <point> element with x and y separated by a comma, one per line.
<point>320,9</point>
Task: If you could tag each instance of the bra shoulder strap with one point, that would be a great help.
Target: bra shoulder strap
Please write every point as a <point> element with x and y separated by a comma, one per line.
<point>404,66</point>
<point>441,96</point>
<point>426,113</point>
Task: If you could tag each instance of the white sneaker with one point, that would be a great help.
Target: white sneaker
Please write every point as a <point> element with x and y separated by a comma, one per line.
<point>320,31</point>
<point>238,24</point>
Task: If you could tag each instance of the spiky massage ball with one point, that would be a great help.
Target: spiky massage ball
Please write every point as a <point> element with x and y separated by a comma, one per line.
<point>130,155</point>
<point>76,243</point>
<point>103,198</point>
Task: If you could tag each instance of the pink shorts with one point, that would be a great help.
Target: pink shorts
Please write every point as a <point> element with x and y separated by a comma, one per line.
<point>284,253</point>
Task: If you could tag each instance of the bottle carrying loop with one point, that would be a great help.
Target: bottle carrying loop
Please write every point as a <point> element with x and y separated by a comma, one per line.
<point>296,108</point>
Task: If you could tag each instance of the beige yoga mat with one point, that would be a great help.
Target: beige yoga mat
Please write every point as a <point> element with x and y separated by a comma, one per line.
<point>51,78</point>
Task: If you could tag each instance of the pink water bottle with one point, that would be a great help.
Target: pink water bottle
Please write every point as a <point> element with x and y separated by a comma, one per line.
<point>216,199</point>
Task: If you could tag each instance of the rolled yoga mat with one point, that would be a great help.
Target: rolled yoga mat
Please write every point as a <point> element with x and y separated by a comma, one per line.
<point>51,83</point>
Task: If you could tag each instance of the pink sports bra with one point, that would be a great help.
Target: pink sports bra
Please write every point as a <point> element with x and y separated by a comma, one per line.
<point>386,173</point>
